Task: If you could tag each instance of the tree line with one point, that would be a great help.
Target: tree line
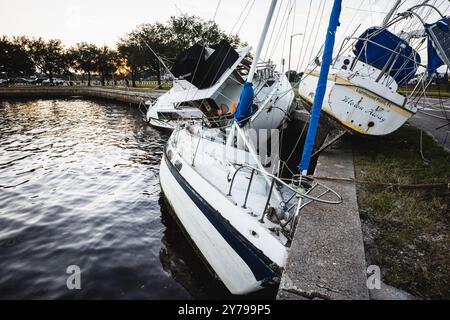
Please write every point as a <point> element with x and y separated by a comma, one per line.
<point>133,57</point>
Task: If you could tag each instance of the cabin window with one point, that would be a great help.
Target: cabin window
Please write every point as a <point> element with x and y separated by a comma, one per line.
<point>169,116</point>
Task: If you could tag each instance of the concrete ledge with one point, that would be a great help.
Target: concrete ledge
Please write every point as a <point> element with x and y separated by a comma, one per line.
<point>301,115</point>
<point>129,96</point>
<point>326,259</point>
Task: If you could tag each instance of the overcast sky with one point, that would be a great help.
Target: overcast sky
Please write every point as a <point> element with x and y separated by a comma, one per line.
<point>105,21</point>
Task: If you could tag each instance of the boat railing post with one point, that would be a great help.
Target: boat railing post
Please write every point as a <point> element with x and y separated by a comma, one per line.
<point>389,64</point>
<point>248,189</point>
<point>267,201</point>
<point>196,150</point>
<point>232,180</point>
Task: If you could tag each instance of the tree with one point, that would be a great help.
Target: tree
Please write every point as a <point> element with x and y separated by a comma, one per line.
<point>186,30</point>
<point>167,40</point>
<point>107,62</point>
<point>139,46</point>
<point>14,59</point>
<point>49,57</point>
<point>134,57</point>
<point>84,58</point>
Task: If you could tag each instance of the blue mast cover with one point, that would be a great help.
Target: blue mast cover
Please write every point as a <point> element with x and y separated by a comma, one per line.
<point>377,52</point>
<point>244,107</point>
<point>434,59</point>
<point>321,85</point>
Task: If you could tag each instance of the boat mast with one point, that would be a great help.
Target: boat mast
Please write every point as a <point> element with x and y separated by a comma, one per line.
<point>246,99</point>
<point>391,13</point>
<point>262,39</point>
<point>321,86</point>
<point>244,107</point>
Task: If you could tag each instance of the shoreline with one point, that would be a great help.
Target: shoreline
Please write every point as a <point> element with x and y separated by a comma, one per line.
<point>116,94</point>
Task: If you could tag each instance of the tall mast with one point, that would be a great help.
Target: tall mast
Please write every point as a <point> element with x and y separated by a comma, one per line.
<point>243,110</point>
<point>391,13</point>
<point>262,39</point>
<point>321,86</point>
<point>244,107</point>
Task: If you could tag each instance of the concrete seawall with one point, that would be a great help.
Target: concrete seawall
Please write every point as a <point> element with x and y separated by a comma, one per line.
<point>122,95</point>
<point>326,259</point>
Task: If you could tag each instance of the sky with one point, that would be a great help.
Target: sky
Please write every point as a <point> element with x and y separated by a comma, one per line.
<point>105,21</point>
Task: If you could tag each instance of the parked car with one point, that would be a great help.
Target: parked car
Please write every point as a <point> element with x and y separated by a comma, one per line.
<point>37,80</point>
<point>22,80</point>
<point>53,82</point>
<point>4,82</point>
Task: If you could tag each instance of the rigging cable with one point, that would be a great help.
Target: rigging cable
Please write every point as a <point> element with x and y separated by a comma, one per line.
<point>304,35</point>
<point>245,19</point>
<point>311,33</point>
<point>317,33</point>
<point>283,27</point>
<point>239,18</point>
<point>273,30</point>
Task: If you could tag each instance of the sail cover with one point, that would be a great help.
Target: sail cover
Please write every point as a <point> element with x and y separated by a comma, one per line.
<point>186,62</point>
<point>438,47</point>
<point>377,52</point>
<point>244,107</point>
<point>203,71</point>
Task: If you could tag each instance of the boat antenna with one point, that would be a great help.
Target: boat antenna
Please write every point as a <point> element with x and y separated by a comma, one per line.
<point>321,88</point>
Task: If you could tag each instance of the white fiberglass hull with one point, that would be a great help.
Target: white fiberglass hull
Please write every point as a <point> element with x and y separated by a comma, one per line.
<point>358,106</point>
<point>238,266</point>
<point>274,103</point>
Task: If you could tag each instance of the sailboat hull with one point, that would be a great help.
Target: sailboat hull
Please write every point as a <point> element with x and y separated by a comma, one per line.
<point>356,107</point>
<point>233,259</point>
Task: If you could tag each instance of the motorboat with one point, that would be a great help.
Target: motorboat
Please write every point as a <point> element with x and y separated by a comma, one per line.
<point>208,82</point>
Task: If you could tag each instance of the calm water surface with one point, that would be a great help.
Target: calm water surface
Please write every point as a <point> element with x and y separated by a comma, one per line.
<point>79,186</point>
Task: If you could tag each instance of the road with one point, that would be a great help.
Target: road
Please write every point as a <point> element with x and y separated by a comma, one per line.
<point>434,118</point>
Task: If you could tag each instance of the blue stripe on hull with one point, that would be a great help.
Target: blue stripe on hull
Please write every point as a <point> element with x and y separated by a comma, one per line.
<point>240,245</point>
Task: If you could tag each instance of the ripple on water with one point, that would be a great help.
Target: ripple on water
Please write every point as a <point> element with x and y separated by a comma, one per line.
<point>79,185</point>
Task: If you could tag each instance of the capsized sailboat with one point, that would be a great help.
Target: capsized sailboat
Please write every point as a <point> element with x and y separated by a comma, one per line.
<point>207,85</point>
<point>363,88</point>
<point>226,194</point>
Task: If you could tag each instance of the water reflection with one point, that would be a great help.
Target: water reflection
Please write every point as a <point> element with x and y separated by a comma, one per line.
<point>79,185</point>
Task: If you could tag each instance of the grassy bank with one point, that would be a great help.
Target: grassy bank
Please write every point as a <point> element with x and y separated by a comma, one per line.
<point>432,90</point>
<point>406,231</point>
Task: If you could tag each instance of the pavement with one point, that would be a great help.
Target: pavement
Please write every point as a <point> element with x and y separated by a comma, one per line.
<point>434,118</point>
<point>326,258</point>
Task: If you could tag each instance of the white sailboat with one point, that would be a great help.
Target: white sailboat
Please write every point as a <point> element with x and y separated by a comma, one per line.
<point>362,89</point>
<point>228,198</point>
<point>208,84</point>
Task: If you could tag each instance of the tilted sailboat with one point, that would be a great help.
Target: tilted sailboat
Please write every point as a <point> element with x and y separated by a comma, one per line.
<point>228,198</point>
<point>363,89</point>
<point>207,85</point>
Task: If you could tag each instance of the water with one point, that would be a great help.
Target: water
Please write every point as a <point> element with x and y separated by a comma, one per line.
<point>79,186</point>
